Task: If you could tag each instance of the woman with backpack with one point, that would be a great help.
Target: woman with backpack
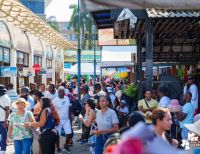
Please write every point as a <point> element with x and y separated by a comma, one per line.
<point>48,120</point>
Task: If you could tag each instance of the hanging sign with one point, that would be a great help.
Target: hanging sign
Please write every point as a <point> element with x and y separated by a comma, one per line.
<point>37,68</point>
<point>7,71</point>
<point>28,72</point>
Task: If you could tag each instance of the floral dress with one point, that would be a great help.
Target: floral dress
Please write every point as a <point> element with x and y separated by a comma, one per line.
<point>19,132</point>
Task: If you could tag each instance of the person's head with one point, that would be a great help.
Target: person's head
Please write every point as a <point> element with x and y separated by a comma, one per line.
<point>85,89</point>
<point>10,86</point>
<point>63,84</point>
<point>61,92</point>
<point>117,88</point>
<point>161,118</point>
<point>42,87</point>
<point>90,104</point>
<point>97,87</point>
<point>148,95</point>
<point>187,97</point>
<point>116,102</point>
<point>33,86</point>
<point>38,95</point>
<point>104,102</point>
<point>24,92</point>
<point>20,104</point>
<point>190,80</point>
<point>122,103</point>
<point>46,102</point>
<point>135,117</point>
<point>162,91</point>
<point>51,88</point>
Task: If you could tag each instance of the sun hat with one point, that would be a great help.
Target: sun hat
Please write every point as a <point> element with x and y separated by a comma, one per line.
<point>174,106</point>
<point>195,127</point>
<point>3,90</point>
<point>20,100</point>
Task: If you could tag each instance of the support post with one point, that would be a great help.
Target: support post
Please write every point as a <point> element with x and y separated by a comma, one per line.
<point>149,54</point>
<point>79,54</point>
<point>139,67</point>
<point>94,54</point>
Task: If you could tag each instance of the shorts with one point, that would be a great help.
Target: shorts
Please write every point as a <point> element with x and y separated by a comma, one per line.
<point>66,125</point>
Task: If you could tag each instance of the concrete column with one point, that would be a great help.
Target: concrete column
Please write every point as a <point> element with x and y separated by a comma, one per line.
<point>149,54</point>
<point>13,63</point>
<point>31,63</point>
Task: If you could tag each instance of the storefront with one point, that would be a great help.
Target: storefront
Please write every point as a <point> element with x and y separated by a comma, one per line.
<point>37,49</point>
<point>5,50</point>
<point>49,63</point>
<point>23,52</point>
<point>59,66</point>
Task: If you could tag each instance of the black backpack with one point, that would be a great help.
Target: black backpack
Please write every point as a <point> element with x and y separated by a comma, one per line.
<point>75,107</point>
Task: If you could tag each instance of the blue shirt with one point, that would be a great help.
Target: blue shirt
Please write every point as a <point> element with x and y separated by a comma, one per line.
<point>189,110</point>
<point>32,103</point>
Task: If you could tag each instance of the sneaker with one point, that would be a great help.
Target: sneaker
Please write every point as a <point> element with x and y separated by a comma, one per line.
<point>66,149</point>
<point>83,142</point>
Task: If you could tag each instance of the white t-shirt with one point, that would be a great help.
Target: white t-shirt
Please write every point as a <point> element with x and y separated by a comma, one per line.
<point>51,96</point>
<point>164,102</point>
<point>4,101</point>
<point>45,93</point>
<point>67,92</point>
<point>106,120</point>
<point>194,90</point>
<point>62,107</point>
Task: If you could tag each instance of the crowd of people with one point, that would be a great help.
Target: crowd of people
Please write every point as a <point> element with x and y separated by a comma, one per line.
<point>108,124</point>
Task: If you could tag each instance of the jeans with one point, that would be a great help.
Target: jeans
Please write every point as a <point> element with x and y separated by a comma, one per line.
<point>3,133</point>
<point>23,146</point>
<point>100,141</point>
<point>184,133</point>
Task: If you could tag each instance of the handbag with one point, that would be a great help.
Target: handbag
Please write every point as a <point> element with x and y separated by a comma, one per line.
<point>35,131</point>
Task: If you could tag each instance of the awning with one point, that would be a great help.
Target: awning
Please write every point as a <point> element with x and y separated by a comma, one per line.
<point>99,5</point>
<point>15,12</point>
<point>116,64</point>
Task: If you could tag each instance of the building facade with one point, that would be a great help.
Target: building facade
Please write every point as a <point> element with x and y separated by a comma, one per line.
<point>24,58</point>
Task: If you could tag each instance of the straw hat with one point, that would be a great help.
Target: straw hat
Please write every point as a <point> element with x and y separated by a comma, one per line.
<point>195,127</point>
<point>20,100</point>
<point>174,106</point>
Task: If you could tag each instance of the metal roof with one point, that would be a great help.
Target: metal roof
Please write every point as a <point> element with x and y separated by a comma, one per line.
<point>99,5</point>
<point>115,64</point>
<point>16,13</point>
<point>155,13</point>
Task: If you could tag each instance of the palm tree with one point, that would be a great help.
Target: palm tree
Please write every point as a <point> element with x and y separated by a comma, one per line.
<point>85,26</point>
<point>53,23</point>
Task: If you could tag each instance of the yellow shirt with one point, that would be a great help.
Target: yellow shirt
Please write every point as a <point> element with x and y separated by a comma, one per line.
<point>152,104</point>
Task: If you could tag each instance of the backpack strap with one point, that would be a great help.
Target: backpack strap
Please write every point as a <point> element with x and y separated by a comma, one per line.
<point>146,103</point>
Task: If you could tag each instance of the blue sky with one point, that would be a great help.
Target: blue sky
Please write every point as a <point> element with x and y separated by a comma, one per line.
<point>60,9</point>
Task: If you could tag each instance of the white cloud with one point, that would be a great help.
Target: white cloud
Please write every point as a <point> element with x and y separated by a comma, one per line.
<point>60,9</point>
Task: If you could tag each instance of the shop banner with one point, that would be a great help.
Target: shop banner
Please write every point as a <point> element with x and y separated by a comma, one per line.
<point>21,82</point>
<point>7,71</point>
<point>43,71</point>
<point>49,73</point>
<point>28,72</point>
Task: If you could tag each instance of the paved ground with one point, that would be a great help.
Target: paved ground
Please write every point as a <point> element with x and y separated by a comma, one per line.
<point>76,149</point>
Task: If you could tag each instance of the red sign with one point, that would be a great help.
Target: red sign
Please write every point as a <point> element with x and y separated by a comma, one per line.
<point>37,68</point>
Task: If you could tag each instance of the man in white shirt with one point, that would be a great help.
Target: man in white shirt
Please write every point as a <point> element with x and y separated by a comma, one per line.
<point>52,93</point>
<point>111,95</point>
<point>191,87</point>
<point>43,89</point>
<point>62,104</point>
<point>4,113</point>
<point>164,100</point>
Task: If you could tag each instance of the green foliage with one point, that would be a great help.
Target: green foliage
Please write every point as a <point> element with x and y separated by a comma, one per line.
<point>131,91</point>
<point>85,25</point>
<point>53,23</point>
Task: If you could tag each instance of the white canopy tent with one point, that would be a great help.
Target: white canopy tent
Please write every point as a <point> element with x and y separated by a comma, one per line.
<point>97,5</point>
<point>86,69</point>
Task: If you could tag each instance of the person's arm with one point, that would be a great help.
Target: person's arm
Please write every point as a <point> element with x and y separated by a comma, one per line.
<point>90,119</point>
<point>41,123</point>
<point>114,129</point>
<point>194,92</point>
<point>10,128</point>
